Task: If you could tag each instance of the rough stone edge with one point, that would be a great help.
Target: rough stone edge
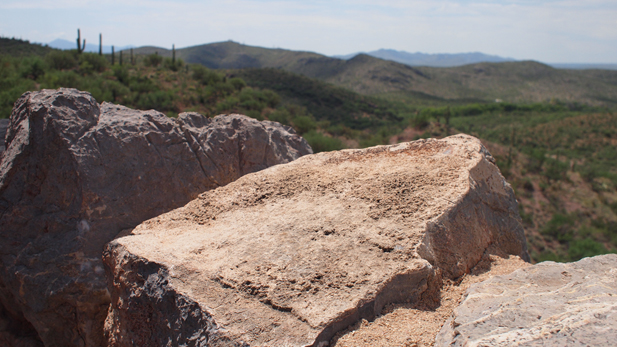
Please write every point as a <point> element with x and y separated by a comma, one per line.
<point>500,233</point>
<point>191,324</point>
<point>448,334</point>
<point>406,286</point>
<point>4,125</point>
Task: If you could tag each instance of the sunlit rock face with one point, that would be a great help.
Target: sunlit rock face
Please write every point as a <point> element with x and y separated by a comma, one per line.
<point>292,254</point>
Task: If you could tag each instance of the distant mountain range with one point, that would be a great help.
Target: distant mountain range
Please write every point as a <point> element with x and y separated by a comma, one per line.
<point>459,59</point>
<point>92,47</point>
<point>434,60</point>
<point>410,59</point>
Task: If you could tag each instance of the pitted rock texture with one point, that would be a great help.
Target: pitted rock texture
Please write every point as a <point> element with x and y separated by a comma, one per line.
<point>4,124</point>
<point>76,173</point>
<point>292,254</point>
<point>548,304</point>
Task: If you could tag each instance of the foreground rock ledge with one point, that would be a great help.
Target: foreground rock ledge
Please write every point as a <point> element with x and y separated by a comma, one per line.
<point>292,254</point>
<point>76,173</point>
<point>4,124</point>
<point>548,304</point>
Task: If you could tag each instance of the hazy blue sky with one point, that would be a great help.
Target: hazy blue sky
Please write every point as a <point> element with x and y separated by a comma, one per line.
<point>581,31</point>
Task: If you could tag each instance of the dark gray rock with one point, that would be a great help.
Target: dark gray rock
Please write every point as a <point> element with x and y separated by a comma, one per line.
<point>76,173</point>
<point>4,124</point>
<point>548,304</point>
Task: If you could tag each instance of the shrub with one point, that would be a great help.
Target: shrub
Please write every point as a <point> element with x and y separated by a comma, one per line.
<point>206,76</point>
<point>61,60</point>
<point>97,62</point>
<point>254,114</point>
<point>33,68</point>
<point>303,124</point>
<point>121,73</point>
<point>282,116</point>
<point>585,248</point>
<point>420,121</point>
<point>559,227</point>
<point>57,79</point>
<point>237,82</point>
<point>321,143</point>
<point>158,100</point>
<point>555,169</point>
<point>169,64</point>
<point>228,105</point>
<point>153,60</point>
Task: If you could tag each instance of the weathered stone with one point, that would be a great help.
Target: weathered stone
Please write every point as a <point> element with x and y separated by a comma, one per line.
<point>292,254</point>
<point>75,174</point>
<point>548,304</point>
<point>4,124</point>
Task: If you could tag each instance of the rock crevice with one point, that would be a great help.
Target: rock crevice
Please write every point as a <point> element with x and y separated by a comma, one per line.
<point>75,173</point>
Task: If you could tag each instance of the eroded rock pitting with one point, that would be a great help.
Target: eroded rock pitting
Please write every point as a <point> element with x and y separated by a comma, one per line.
<point>292,254</point>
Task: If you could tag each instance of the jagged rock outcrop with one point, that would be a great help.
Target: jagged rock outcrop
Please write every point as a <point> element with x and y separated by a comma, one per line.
<point>548,304</point>
<point>292,254</point>
<point>76,173</point>
<point>4,124</point>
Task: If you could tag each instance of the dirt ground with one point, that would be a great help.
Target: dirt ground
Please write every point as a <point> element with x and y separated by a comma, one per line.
<point>416,325</point>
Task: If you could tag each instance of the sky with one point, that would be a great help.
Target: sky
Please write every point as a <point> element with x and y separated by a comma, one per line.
<point>550,31</point>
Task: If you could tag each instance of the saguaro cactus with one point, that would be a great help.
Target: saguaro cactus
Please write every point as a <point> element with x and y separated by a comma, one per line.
<point>113,55</point>
<point>80,48</point>
<point>173,53</point>
<point>100,44</point>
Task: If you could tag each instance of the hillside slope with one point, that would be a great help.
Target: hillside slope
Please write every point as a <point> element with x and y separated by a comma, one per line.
<point>526,81</point>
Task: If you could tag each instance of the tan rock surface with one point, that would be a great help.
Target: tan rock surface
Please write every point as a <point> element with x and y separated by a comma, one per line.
<point>293,254</point>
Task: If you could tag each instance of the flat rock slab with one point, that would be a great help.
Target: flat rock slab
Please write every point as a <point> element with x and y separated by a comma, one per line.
<point>292,254</point>
<point>76,173</point>
<point>548,304</point>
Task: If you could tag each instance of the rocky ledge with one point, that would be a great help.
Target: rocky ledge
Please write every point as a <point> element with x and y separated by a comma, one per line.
<point>292,254</point>
<point>548,304</point>
<point>75,173</point>
<point>4,124</point>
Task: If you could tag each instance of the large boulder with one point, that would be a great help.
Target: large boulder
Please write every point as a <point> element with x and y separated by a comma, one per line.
<point>76,173</point>
<point>292,254</point>
<point>548,304</point>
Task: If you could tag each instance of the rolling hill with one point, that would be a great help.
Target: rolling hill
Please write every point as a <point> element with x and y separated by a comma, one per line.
<point>525,81</point>
<point>20,48</point>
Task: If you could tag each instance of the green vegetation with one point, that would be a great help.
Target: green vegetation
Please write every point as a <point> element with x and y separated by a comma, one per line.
<point>515,82</point>
<point>327,102</point>
<point>569,152</point>
<point>559,156</point>
<point>21,48</point>
<point>154,82</point>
